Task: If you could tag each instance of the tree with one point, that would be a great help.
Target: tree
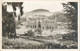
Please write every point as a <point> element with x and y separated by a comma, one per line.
<point>70,10</point>
<point>8,18</point>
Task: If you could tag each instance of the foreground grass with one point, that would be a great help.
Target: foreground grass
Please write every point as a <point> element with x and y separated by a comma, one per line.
<point>19,43</point>
<point>28,42</point>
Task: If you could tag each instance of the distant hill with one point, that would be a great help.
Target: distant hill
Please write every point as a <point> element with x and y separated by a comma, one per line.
<point>46,13</point>
<point>40,10</point>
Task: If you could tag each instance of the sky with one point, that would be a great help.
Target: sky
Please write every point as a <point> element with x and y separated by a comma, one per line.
<point>52,6</point>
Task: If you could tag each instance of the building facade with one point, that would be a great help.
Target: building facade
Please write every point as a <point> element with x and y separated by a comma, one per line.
<point>41,22</point>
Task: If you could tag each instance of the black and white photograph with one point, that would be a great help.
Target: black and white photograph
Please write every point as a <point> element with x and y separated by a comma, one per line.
<point>40,25</point>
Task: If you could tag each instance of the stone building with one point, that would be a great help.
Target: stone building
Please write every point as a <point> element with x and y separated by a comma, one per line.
<point>41,22</point>
<point>45,20</point>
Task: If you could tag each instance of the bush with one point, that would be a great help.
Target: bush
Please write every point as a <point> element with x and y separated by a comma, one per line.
<point>39,31</point>
<point>70,36</point>
<point>30,33</point>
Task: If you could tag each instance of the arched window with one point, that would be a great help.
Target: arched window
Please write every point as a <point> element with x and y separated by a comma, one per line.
<point>39,24</point>
<point>50,27</point>
<point>31,26</point>
<point>35,26</point>
<point>47,27</point>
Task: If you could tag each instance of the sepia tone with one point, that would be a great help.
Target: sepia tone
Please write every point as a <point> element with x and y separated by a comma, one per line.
<point>39,28</point>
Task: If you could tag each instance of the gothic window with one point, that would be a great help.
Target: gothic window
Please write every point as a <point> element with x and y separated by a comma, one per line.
<point>50,27</point>
<point>35,26</point>
<point>31,26</point>
<point>47,27</point>
<point>39,24</point>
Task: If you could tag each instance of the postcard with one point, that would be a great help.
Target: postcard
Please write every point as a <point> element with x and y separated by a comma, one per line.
<point>40,25</point>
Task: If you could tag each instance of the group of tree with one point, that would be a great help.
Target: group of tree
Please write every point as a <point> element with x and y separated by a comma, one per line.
<point>8,18</point>
<point>71,12</point>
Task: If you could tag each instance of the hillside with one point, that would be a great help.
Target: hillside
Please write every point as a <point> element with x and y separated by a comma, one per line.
<point>46,13</point>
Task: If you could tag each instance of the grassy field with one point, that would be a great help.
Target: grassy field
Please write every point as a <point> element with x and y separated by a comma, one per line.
<point>28,42</point>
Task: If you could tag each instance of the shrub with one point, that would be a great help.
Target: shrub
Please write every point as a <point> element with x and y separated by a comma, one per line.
<point>70,36</point>
<point>30,33</point>
<point>39,31</point>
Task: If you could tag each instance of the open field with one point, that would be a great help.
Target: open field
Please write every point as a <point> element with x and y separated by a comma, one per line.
<point>27,42</point>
